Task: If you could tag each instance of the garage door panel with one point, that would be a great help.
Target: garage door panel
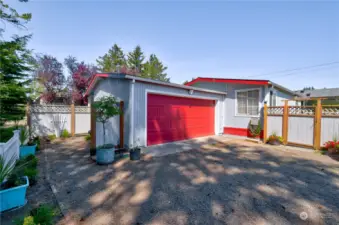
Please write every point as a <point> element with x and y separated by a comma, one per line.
<point>175,118</point>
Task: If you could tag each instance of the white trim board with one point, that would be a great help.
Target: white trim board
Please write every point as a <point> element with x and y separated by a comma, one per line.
<point>216,109</point>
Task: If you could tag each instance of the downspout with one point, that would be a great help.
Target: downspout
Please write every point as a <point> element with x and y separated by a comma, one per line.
<point>131,103</point>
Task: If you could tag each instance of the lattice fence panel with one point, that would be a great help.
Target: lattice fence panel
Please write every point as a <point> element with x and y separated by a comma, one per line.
<point>330,111</point>
<point>301,110</point>
<point>50,108</point>
<point>275,111</point>
<point>82,109</point>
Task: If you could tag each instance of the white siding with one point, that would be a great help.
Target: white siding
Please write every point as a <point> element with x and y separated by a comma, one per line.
<point>120,89</point>
<point>140,107</point>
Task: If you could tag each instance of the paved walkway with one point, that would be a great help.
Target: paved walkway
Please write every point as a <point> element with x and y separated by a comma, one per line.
<point>220,181</point>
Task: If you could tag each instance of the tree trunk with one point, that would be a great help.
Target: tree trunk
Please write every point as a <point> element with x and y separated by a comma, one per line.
<point>103,126</point>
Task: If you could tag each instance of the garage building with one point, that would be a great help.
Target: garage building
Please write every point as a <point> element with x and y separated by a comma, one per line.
<point>158,112</point>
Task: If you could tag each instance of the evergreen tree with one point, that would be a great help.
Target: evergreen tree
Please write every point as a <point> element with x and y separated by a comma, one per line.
<point>135,59</point>
<point>112,61</point>
<point>15,65</point>
<point>15,61</point>
<point>10,15</point>
<point>154,69</point>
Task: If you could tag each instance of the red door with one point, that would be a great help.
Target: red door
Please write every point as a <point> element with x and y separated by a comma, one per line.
<point>174,118</point>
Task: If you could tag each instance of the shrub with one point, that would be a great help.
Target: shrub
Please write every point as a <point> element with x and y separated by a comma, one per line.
<point>27,167</point>
<point>7,133</point>
<point>65,134</point>
<point>29,220</point>
<point>255,131</point>
<point>332,146</point>
<point>274,138</point>
<point>23,135</point>
<point>6,167</point>
<point>29,161</point>
<point>43,215</point>
<point>51,137</point>
<point>31,173</point>
<point>88,137</point>
<point>36,141</point>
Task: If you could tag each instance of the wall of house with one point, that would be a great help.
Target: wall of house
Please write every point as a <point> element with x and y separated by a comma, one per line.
<point>231,120</point>
<point>118,88</point>
<point>280,97</point>
<point>237,121</point>
<point>140,92</point>
<point>212,86</point>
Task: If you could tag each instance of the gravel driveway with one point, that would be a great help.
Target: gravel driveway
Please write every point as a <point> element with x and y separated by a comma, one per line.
<point>226,182</point>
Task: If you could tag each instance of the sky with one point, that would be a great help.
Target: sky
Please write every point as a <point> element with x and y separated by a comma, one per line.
<point>253,39</point>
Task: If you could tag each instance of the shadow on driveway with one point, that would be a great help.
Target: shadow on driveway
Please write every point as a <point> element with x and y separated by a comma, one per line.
<point>221,182</point>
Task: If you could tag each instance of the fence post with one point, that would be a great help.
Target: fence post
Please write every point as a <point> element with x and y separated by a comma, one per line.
<point>72,120</point>
<point>28,116</point>
<point>285,123</point>
<point>93,128</point>
<point>265,123</point>
<point>317,125</point>
<point>122,124</point>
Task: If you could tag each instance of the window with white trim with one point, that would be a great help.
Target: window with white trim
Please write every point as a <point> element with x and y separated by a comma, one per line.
<point>247,102</point>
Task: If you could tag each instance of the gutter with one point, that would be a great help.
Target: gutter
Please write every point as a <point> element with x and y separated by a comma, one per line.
<point>284,89</point>
<point>145,80</point>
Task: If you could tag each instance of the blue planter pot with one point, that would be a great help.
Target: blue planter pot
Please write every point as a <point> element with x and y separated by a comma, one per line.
<point>26,150</point>
<point>13,197</point>
<point>105,156</point>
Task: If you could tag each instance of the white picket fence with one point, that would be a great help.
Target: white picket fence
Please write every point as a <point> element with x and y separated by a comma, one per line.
<point>11,147</point>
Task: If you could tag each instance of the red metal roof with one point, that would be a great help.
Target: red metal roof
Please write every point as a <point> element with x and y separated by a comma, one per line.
<point>226,80</point>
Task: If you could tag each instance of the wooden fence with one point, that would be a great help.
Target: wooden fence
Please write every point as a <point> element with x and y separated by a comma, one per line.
<point>52,119</point>
<point>306,126</point>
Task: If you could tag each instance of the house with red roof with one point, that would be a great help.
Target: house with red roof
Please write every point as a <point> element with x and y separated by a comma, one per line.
<point>157,112</point>
<point>245,100</point>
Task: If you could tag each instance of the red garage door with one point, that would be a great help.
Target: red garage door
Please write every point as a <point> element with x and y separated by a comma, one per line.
<point>174,118</point>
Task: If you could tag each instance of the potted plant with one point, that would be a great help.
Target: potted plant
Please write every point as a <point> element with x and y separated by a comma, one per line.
<point>135,153</point>
<point>255,131</point>
<point>27,146</point>
<point>332,146</point>
<point>106,107</point>
<point>274,139</point>
<point>12,188</point>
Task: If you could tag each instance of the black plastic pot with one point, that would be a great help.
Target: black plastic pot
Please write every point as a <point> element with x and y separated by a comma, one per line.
<point>135,154</point>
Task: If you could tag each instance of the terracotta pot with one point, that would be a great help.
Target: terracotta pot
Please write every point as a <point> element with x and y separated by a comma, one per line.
<point>333,150</point>
<point>274,142</point>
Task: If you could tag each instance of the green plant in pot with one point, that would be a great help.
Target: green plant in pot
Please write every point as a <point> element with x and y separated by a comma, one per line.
<point>12,186</point>
<point>106,107</point>
<point>255,131</point>
<point>28,146</point>
<point>274,139</point>
<point>135,153</point>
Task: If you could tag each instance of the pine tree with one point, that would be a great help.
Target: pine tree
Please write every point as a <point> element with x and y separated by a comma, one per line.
<point>154,69</point>
<point>14,68</point>
<point>112,61</point>
<point>135,59</point>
